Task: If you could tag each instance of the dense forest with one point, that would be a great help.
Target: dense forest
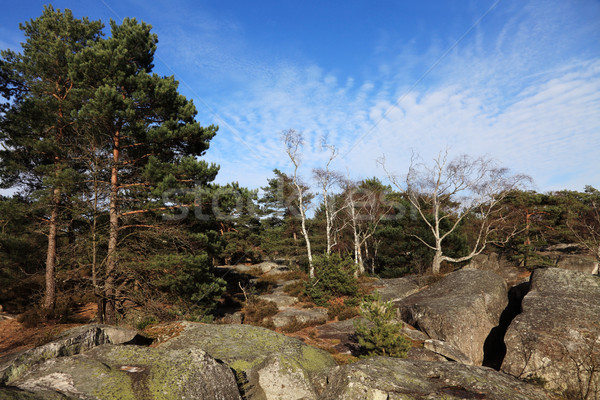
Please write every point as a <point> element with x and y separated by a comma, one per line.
<point>113,203</point>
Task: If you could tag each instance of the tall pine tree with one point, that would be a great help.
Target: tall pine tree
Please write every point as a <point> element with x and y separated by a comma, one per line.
<point>147,131</point>
<point>37,127</point>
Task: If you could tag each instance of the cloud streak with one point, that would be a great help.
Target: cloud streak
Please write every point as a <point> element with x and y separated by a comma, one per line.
<point>517,89</point>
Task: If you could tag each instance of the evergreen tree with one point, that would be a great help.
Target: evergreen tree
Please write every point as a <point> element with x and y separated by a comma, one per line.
<point>37,128</point>
<point>149,134</point>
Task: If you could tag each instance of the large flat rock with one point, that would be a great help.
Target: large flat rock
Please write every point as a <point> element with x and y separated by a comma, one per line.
<point>556,338</point>
<point>71,342</point>
<point>270,365</point>
<point>304,316</point>
<point>396,289</point>
<point>395,379</point>
<point>460,309</point>
<point>132,372</point>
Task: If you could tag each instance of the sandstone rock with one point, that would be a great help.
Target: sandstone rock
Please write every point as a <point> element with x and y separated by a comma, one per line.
<point>421,353</point>
<point>282,300</point>
<point>262,359</point>
<point>133,372</point>
<point>556,338</point>
<point>581,263</point>
<point>343,332</point>
<point>234,318</point>
<point>567,248</point>
<point>305,316</point>
<point>265,266</point>
<point>396,288</point>
<point>394,379</point>
<point>13,393</point>
<point>446,350</point>
<point>510,271</point>
<point>413,333</point>
<point>461,309</point>
<point>73,341</point>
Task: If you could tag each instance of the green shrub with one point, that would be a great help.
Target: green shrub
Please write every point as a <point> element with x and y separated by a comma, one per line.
<point>334,277</point>
<point>148,320</point>
<point>381,335</point>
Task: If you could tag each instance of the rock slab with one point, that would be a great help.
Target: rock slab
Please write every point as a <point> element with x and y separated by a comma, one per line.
<point>383,378</point>
<point>556,338</point>
<point>71,342</point>
<point>460,309</point>
<point>132,372</point>
<point>268,365</point>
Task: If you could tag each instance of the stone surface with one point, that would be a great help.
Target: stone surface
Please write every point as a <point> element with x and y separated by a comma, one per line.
<point>509,270</point>
<point>460,309</point>
<point>581,263</point>
<point>343,331</point>
<point>556,338</point>
<point>446,350</point>
<point>421,353</point>
<point>73,341</point>
<point>396,288</point>
<point>133,372</point>
<point>382,378</point>
<point>282,300</point>
<point>413,333</point>
<point>13,393</point>
<point>263,360</point>
<point>304,316</point>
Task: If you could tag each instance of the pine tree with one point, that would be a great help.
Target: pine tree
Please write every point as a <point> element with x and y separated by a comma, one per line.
<point>37,127</point>
<point>146,130</point>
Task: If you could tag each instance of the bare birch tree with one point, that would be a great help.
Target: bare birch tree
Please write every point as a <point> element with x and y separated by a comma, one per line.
<point>366,207</point>
<point>453,190</point>
<point>293,140</point>
<point>327,180</point>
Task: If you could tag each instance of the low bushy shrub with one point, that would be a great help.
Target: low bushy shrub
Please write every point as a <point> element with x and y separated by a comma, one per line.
<point>257,312</point>
<point>341,308</point>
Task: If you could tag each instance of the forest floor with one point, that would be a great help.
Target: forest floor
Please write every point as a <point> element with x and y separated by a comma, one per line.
<point>16,336</point>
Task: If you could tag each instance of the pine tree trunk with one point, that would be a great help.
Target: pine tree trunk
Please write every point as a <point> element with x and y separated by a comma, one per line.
<point>110,316</point>
<point>50,293</point>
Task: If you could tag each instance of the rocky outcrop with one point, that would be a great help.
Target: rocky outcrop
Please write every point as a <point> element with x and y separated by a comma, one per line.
<point>267,364</point>
<point>301,317</point>
<point>132,372</point>
<point>581,263</point>
<point>509,270</point>
<point>282,300</point>
<point>446,350</point>
<point>395,379</point>
<point>396,289</point>
<point>556,338</point>
<point>71,342</point>
<point>461,309</point>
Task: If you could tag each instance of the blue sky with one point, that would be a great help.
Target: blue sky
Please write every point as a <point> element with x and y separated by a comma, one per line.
<point>514,80</point>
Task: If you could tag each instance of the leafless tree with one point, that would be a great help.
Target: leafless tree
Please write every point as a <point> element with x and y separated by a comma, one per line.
<point>327,180</point>
<point>365,207</point>
<point>293,141</point>
<point>586,225</point>
<point>454,190</point>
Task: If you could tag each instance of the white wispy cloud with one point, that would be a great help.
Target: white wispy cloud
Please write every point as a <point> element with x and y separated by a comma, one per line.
<point>519,90</point>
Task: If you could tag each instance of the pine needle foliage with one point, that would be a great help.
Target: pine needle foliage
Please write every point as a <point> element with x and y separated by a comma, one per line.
<point>380,334</point>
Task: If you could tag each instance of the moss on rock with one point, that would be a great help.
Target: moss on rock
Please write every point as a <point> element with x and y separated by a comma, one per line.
<point>251,351</point>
